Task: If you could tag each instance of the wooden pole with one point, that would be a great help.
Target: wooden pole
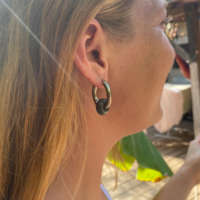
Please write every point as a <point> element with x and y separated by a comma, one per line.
<point>193,27</point>
<point>194,71</point>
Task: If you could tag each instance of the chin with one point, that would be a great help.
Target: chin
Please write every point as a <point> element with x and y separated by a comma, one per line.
<point>148,122</point>
<point>157,112</point>
<point>148,119</point>
<point>155,117</point>
<point>158,115</point>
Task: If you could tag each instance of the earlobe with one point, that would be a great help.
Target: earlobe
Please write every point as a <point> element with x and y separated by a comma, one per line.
<point>90,55</point>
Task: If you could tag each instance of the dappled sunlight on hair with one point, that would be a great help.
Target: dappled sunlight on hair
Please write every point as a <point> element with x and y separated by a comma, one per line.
<point>42,116</point>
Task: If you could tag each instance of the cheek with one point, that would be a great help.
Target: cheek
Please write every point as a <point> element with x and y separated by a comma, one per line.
<point>164,52</point>
<point>158,58</point>
<point>153,66</point>
<point>138,87</point>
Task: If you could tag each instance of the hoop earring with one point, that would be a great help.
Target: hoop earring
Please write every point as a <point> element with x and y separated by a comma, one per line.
<point>102,105</point>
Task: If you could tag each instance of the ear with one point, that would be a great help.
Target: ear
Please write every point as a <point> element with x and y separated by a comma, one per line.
<point>90,54</point>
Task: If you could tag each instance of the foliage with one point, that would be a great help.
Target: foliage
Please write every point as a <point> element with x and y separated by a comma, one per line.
<point>151,165</point>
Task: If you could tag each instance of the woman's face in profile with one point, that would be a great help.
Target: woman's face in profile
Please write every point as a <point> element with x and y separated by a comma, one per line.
<point>140,69</point>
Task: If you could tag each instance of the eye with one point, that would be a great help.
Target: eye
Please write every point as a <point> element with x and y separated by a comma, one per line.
<point>164,23</point>
<point>167,20</point>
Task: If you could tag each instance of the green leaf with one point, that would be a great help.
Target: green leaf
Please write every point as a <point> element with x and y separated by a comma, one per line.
<point>140,147</point>
<point>145,174</point>
<point>127,160</point>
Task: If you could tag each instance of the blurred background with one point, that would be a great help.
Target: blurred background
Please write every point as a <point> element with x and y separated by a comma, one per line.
<point>180,103</point>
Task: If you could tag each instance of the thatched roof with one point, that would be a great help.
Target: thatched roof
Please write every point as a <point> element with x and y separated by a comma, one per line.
<point>181,1</point>
<point>176,8</point>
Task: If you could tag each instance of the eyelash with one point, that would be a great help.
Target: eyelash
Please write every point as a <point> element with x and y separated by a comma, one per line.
<point>167,20</point>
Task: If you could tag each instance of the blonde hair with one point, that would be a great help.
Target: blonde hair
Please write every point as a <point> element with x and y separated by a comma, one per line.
<point>41,111</point>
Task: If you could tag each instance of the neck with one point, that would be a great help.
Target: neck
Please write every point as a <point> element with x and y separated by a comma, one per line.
<point>99,145</point>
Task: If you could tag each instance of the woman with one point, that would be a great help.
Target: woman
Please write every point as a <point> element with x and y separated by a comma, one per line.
<point>54,142</point>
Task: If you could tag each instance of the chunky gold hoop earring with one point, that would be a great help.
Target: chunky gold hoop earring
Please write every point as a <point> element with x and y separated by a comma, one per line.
<point>102,105</point>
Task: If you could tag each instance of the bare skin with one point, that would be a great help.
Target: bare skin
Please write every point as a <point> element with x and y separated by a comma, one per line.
<point>136,72</point>
<point>180,185</point>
